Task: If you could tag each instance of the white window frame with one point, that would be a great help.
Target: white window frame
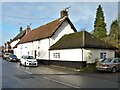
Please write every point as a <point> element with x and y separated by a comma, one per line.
<point>103,55</point>
<point>56,55</point>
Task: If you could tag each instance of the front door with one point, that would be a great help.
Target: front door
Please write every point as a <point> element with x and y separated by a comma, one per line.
<point>35,53</point>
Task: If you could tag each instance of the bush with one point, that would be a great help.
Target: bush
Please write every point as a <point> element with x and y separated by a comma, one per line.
<point>89,68</point>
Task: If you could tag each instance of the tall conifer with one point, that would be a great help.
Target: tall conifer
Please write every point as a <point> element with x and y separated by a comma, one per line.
<point>99,24</point>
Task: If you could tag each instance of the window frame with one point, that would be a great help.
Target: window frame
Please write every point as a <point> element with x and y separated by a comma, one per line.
<point>56,55</point>
<point>103,55</point>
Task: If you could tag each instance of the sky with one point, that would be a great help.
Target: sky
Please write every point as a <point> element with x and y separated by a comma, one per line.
<point>82,15</point>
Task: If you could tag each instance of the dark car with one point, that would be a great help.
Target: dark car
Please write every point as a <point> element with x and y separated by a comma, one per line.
<point>109,64</point>
<point>12,57</point>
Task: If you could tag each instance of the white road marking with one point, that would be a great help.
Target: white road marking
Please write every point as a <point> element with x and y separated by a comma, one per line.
<point>66,84</point>
<point>25,71</point>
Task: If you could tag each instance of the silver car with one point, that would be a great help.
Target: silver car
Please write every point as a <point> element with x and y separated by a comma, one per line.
<point>109,64</point>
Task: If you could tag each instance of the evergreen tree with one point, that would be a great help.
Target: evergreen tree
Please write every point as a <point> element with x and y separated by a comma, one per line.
<point>99,24</point>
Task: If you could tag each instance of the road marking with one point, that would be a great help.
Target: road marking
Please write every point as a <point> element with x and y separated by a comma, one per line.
<point>66,84</point>
<point>25,71</point>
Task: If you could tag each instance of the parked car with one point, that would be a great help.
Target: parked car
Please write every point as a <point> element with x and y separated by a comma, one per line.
<point>28,61</point>
<point>109,64</point>
<point>1,54</point>
<point>12,57</point>
<point>5,55</point>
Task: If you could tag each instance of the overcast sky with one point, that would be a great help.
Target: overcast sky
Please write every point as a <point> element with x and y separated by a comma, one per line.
<point>82,14</point>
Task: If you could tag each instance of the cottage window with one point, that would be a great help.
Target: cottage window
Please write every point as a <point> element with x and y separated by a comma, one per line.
<point>56,55</point>
<point>102,55</point>
<point>28,53</point>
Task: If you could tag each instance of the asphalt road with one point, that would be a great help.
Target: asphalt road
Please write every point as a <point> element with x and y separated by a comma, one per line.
<point>15,76</point>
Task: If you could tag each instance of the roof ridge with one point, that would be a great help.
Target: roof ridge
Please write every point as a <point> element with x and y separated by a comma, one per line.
<point>44,31</point>
<point>48,23</point>
<point>18,36</point>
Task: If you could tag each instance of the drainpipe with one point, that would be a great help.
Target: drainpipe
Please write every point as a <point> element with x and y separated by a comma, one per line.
<point>83,45</point>
<point>82,54</point>
<point>82,59</point>
<point>49,52</point>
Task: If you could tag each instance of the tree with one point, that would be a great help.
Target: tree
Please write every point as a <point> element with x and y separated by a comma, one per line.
<point>99,24</point>
<point>115,30</point>
<point>114,36</point>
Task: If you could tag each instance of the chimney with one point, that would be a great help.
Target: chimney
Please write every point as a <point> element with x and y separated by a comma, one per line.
<point>64,13</point>
<point>20,28</point>
<point>10,40</point>
<point>27,29</point>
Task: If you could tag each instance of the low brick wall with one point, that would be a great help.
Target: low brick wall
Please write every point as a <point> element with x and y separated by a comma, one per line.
<point>72,64</point>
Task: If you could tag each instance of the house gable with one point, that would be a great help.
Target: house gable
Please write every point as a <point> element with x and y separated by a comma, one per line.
<point>65,28</point>
<point>17,39</point>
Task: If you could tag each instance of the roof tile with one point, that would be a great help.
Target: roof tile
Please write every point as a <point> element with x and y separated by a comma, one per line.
<point>81,39</point>
<point>44,31</point>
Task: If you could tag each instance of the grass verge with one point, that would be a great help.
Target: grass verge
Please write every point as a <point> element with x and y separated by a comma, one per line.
<point>88,68</point>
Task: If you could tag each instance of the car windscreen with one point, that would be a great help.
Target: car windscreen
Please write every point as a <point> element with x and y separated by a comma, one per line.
<point>6,54</point>
<point>13,56</point>
<point>30,57</point>
<point>107,60</point>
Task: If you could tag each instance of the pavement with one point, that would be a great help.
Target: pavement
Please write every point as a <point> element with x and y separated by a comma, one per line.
<point>49,69</point>
<point>53,69</point>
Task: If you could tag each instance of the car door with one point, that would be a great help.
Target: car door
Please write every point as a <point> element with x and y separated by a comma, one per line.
<point>115,63</point>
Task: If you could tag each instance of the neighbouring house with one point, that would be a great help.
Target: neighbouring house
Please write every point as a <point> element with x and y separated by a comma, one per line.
<point>74,48</point>
<point>15,40</point>
<point>7,46</point>
<point>1,48</point>
<point>38,41</point>
<point>1,51</point>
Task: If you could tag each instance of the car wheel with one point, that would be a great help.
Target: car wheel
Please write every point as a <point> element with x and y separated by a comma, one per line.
<point>8,60</point>
<point>20,63</point>
<point>114,70</point>
<point>25,64</point>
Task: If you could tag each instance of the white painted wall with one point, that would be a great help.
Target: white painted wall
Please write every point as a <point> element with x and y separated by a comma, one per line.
<point>29,48</point>
<point>64,29</point>
<point>67,55</point>
<point>76,54</point>
<point>95,54</point>
<point>14,43</point>
<point>17,51</point>
<point>42,46</point>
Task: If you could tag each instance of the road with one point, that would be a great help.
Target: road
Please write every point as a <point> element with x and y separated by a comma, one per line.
<point>15,76</point>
